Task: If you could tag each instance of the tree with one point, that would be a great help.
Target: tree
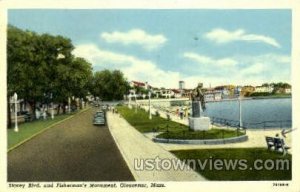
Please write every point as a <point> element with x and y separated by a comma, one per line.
<point>43,65</point>
<point>109,85</point>
<point>73,79</point>
<point>25,69</point>
<point>140,90</point>
<point>279,87</point>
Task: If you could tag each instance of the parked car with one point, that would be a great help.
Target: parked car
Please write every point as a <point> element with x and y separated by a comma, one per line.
<point>99,113</point>
<point>99,118</point>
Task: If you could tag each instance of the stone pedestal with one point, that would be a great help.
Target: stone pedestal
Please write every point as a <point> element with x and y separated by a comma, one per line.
<point>196,109</point>
<point>199,123</point>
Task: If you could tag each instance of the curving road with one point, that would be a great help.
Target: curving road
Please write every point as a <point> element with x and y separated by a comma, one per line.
<point>74,150</point>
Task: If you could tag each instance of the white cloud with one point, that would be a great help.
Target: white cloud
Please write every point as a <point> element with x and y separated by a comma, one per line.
<point>133,68</point>
<point>222,36</point>
<point>201,59</point>
<point>135,37</point>
<point>253,70</point>
<point>242,70</point>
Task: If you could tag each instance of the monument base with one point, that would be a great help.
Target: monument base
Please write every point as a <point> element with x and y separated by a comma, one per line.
<point>199,123</point>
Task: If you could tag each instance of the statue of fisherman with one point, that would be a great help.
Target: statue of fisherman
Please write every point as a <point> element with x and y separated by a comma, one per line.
<point>198,100</point>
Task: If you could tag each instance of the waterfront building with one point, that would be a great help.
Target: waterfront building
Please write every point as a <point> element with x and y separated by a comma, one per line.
<point>266,89</point>
<point>181,85</point>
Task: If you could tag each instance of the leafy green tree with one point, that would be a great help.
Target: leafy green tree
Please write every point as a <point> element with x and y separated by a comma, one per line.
<point>109,85</point>
<point>140,90</point>
<point>25,70</point>
<point>43,65</point>
<point>279,87</point>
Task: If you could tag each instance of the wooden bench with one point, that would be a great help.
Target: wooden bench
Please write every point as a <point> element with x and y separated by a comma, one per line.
<point>277,144</point>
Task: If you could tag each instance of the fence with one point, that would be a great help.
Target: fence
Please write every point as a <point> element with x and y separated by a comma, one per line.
<point>189,134</point>
<point>246,125</point>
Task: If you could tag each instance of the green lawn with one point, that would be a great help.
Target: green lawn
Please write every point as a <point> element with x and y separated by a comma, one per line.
<point>172,130</point>
<point>140,120</point>
<point>282,172</point>
<point>210,134</point>
<point>28,129</point>
<point>274,96</point>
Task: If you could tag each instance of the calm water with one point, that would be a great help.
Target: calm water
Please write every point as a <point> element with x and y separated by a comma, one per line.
<point>273,112</point>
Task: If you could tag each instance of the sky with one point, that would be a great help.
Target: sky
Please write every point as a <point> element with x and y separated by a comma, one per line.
<point>162,47</point>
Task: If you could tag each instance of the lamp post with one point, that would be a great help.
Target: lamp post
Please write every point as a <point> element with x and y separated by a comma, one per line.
<point>16,115</point>
<point>73,101</point>
<point>149,95</point>
<point>129,101</point>
<point>69,105</point>
<point>240,111</point>
<point>52,110</point>
<point>135,103</point>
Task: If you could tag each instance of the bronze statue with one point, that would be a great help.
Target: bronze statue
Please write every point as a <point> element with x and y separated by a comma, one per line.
<point>197,95</point>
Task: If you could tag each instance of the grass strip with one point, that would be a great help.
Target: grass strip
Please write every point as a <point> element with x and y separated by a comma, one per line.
<point>272,165</point>
<point>171,130</point>
<point>29,130</point>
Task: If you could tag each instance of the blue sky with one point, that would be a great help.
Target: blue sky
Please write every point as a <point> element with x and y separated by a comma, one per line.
<point>164,46</point>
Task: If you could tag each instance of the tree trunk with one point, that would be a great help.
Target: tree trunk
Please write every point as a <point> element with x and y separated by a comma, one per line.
<point>9,124</point>
<point>58,109</point>
<point>33,108</point>
<point>64,108</point>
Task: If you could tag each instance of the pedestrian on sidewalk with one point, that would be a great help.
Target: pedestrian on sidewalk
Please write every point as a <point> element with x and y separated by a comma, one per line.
<point>181,113</point>
<point>186,112</point>
<point>44,114</point>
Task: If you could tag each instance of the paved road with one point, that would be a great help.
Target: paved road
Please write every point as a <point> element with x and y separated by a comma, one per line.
<point>74,150</point>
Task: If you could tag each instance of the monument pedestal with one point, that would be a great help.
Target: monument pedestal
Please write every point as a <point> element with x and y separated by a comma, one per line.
<point>199,123</point>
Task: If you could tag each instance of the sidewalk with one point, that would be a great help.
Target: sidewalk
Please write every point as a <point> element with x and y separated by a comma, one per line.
<point>134,145</point>
<point>163,114</point>
<point>256,137</point>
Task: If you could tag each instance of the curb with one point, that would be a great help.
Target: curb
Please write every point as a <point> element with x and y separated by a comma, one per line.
<point>238,139</point>
<point>132,170</point>
<point>43,130</point>
<point>141,177</point>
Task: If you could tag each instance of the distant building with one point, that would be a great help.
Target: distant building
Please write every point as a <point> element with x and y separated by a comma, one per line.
<point>211,94</point>
<point>167,93</point>
<point>247,90</point>
<point>288,90</point>
<point>261,89</point>
<point>181,85</point>
<point>176,93</point>
<point>226,90</point>
<point>187,93</point>
<point>140,84</point>
<point>282,90</point>
<point>132,94</point>
<point>238,90</point>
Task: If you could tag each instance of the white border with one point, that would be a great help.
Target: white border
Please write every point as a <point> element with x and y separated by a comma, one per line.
<point>167,4</point>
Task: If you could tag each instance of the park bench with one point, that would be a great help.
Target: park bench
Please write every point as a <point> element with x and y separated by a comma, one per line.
<point>276,143</point>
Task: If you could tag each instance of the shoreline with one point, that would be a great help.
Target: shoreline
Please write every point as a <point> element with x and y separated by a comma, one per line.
<point>273,97</point>
<point>253,98</point>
